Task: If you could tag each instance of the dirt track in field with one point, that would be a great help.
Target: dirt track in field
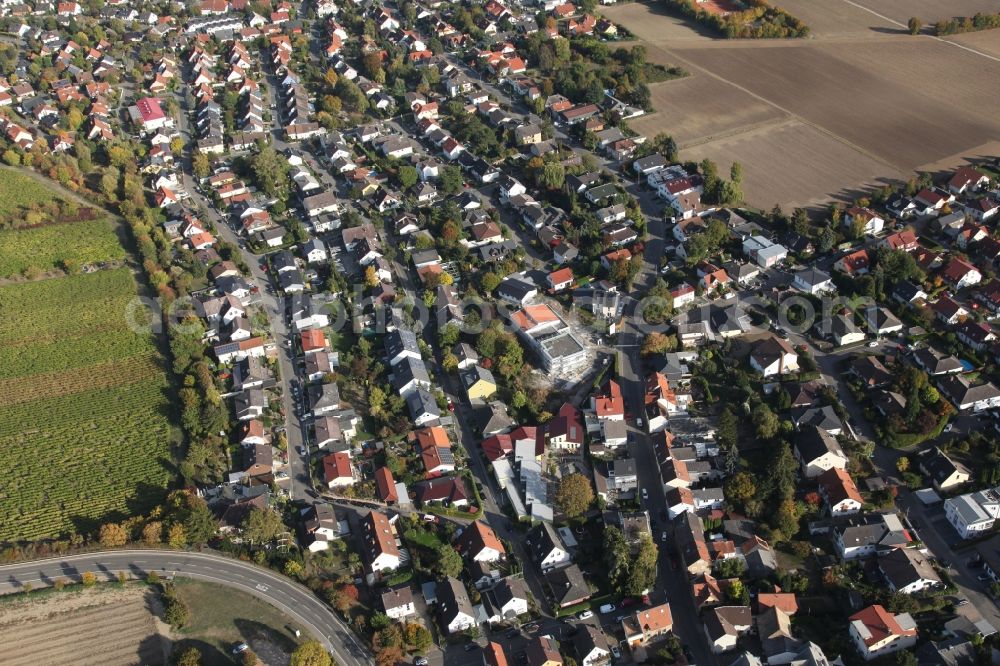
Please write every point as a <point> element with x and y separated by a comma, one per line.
<point>811,119</point>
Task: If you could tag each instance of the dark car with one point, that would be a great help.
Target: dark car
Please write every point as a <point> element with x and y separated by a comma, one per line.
<point>469,647</point>
<point>513,632</point>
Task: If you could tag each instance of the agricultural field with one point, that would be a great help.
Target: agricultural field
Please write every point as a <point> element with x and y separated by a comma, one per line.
<point>19,191</point>
<point>857,85</point>
<point>56,246</point>
<point>102,626</point>
<point>85,430</point>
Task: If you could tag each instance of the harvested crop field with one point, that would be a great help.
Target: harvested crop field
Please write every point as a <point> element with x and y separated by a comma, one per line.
<point>853,100</point>
<point>883,110</point>
<point>928,11</point>
<point>697,108</point>
<point>102,626</point>
<point>819,158</point>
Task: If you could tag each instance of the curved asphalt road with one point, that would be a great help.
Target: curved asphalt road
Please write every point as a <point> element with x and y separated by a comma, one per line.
<point>297,601</point>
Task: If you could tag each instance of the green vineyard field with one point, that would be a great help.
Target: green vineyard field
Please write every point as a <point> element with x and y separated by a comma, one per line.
<point>85,425</point>
<point>47,247</point>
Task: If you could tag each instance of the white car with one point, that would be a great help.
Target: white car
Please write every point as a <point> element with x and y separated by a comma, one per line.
<point>873,343</point>
<point>645,494</point>
<point>615,652</point>
<point>607,608</point>
<point>584,615</point>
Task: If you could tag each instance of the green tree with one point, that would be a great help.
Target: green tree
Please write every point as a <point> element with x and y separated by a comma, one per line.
<point>199,523</point>
<point>417,636</point>
<point>489,282</point>
<point>642,572</point>
<point>765,421</point>
<point>262,526</point>
<point>408,177</point>
<point>448,562</point>
<point>270,171</point>
<point>574,495</point>
<point>450,179</point>
<point>175,613</point>
<point>311,653</point>
<point>187,657</point>
<point>915,25</point>
<point>552,176</point>
<point>616,558</point>
<point>740,487</point>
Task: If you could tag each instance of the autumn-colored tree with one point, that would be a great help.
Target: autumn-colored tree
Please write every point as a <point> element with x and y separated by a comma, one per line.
<point>371,277</point>
<point>250,658</point>
<point>574,495</point>
<point>311,653</point>
<point>176,537</point>
<point>740,487</point>
<point>152,533</point>
<point>88,578</point>
<point>112,535</point>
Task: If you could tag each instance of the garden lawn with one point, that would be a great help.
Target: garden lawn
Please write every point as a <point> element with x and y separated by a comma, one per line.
<point>85,418</point>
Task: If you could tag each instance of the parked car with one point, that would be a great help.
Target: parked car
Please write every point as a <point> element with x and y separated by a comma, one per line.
<point>584,615</point>
<point>983,578</point>
<point>512,633</point>
<point>607,608</point>
<point>420,661</point>
<point>615,652</point>
<point>645,494</point>
<point>240,648</point>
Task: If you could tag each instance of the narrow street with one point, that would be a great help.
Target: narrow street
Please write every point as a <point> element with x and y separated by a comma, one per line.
<point>272,305</point>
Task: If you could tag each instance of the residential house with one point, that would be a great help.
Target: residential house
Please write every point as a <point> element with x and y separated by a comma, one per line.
<point>973,513</point>
<point>812,281</point>
<point>817,451</point>
<point>454,609</point>
<point>568,586</point>
<point>964,395</point>
<point>724,625</point>
<point>877,632</point>
<point>591,646</point>
<point>839,492</point>
<point>509,599</point>
<point>773,356</point>
<point>648,625</point>
<point>338,470</point>
<point>381,550</point>
<point>546,548</point>
<point>908,571</point>
<point>944,473</point>
<point>479,543</point>
<point>398,603</point>
<point>869,534</point>
<point>479,383</point>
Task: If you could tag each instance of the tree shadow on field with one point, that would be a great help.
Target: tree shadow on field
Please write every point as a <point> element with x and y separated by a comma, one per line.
<point>150,650</point>
<point>889,31</point>
<point>145,496</point>
<point>274,645</point>
<point>659,9</point>
<point>211,655</point>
